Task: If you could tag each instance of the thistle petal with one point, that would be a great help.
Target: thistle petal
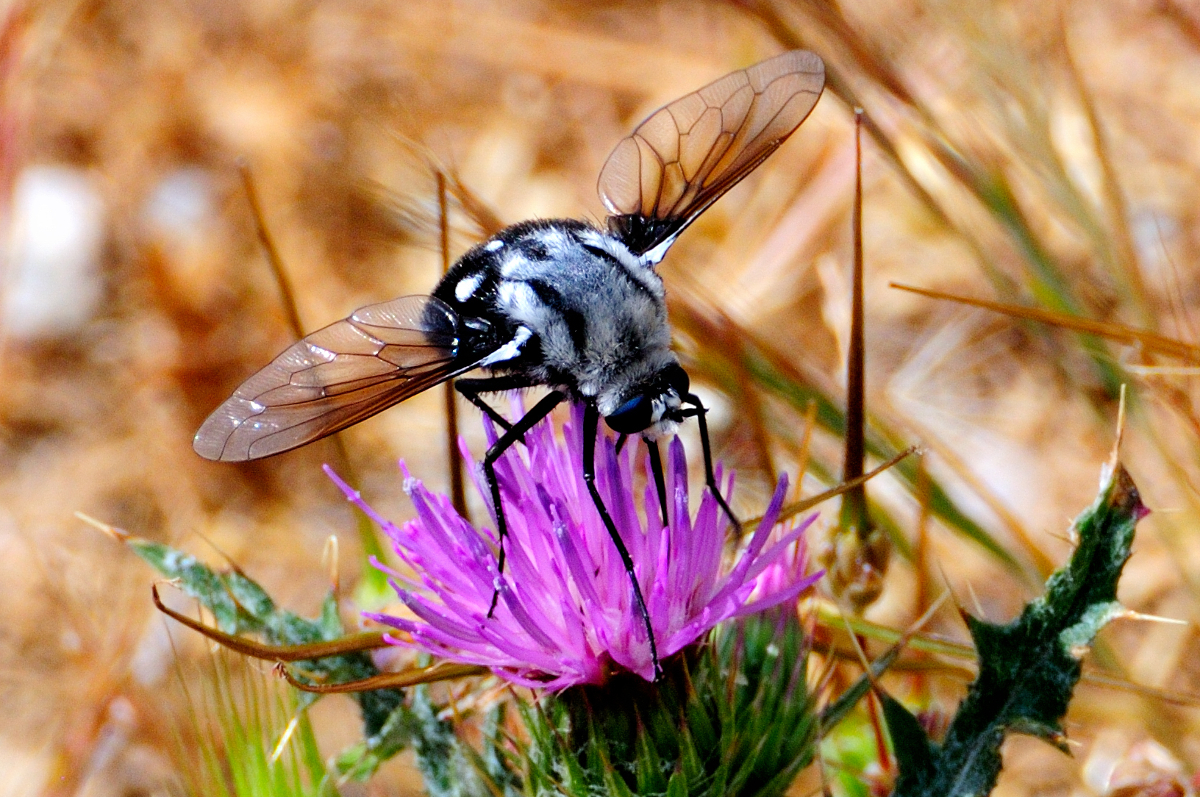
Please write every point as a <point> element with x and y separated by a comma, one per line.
<point>566,613</point>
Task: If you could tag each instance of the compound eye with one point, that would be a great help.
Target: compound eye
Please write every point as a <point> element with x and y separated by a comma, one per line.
<point>677,379</point>
<point>631,417</point>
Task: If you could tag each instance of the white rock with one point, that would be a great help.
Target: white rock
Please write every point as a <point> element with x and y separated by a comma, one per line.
<point>53,283</point>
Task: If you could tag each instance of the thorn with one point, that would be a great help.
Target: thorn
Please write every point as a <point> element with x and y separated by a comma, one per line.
<point>1130,614</point>
<point>975,600</point>
<point>1070,536</point>
<point>1116,449</point>
<point>228,559</point>
<point>120,535</point>
<point>946,581</point>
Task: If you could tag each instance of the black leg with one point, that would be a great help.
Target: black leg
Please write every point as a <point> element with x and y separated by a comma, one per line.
<point>506,441</point>
<point>591,423</point>
<point>660,482</point>
<point>621,438</point>
<point>706,448</point>
<point>471,388</point>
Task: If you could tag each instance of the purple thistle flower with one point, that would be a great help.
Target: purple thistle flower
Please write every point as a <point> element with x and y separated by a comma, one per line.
<point>566,613</point>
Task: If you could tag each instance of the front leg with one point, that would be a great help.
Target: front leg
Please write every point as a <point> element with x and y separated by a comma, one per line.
<point>699,412</point>
<point>506,441</point>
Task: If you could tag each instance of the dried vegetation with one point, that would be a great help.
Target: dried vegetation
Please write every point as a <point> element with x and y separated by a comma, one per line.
<point>1042,154</point>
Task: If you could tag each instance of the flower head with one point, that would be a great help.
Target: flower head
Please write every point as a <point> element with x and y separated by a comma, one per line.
<point>566,613</point>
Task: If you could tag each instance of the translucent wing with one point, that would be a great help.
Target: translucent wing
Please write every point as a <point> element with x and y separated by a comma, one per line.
<point>338,376</point>
<point>687,154</point>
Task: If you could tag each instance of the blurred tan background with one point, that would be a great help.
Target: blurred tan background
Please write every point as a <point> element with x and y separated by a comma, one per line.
<point>1043,153</point>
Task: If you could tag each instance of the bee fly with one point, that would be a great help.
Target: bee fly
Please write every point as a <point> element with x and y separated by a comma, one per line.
<point>556,303</point>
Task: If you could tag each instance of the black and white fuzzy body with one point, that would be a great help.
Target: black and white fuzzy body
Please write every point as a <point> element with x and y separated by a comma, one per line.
<point>556,303</point>
<point>577,311</point>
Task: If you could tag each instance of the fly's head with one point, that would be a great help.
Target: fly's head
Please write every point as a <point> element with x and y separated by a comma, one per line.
<point>653,409</point>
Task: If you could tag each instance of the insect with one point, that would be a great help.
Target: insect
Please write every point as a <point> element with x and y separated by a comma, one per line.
<point>555,303</point>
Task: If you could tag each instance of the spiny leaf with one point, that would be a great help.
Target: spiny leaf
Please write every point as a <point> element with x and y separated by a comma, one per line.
<point>446,768</point>
<point>241,605</point>
<point>914,753</point>
<point>1029,667</point>
<point>200,581</point>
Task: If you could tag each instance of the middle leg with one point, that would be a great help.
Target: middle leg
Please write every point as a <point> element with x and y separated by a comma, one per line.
<point>591,425</point>
<point>470,388</point>
<point>660,482</point>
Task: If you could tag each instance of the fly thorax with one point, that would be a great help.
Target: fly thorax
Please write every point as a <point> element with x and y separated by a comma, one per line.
<point>609,247</point>
<point>599,317</point>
